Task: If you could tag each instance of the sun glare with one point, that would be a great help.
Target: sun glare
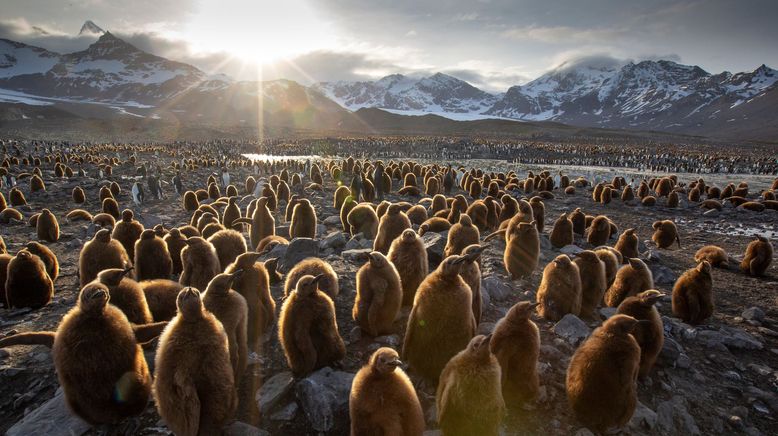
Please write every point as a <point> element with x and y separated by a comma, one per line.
<point>259,31</point>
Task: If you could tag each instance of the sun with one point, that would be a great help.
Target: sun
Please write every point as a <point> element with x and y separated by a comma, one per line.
<point>259,31</point>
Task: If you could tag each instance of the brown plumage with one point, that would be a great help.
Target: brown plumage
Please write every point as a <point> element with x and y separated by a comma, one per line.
<point>103,220</point>
<point>230,308</point>
<point>190,201</point>
<point>308,330</point>
<point>562,232</point>
<point>382,399</point>
<point>152,258</point>
<point>471,274</point>
<point>715,255</point>
<point>363,219</point>
<point>627,244</point>
<point>161,297</point>
<point>665,234</point>
<point>409,256</point>
<point>559,292</point>
<point>47,256</point>
<point>303,224</point>
<point>693,294</point>
<point>126,294</point>
<point>175,242</point>
<point>254,285</point>
<point>594,282</point>
<point>578,218</point>
<point>229,244</point>
<point>47,226</point>
<point>200,263</point>
<point>649,334</point>
<point>391,225</point>
<point>516,344</point>
<point>469,397</point>
<point>78,215</point>
<point>441,322</point>
<point>313,266</point>
<point>193,383</point>
<point>78,195</point>
<point>522,250</point>
<point>27,283</point>
<point>759,255</point>
<point>599,232</point>
<point>602,376</point>
<point>262,222</point>
<point>434,224</point>
<point>611,262</point>
<point>631,279</point>
<point>127,231</point>
<point>102,252</point>
<point>111,207</point>
<point>461,235</point>
<point>379,295</point>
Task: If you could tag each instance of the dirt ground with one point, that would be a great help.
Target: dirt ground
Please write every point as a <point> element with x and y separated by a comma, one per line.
<point>721,389</point>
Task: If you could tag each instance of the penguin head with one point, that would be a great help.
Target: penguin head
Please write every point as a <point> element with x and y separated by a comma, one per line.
<point>94,296</point>
<point>479,346</point>
<point>408,235</point>
<point>704,267</point>
<point>588,256</point>
<point>521,311</point>
<point>650,297</point>
<point>385,360</point>
<point>377,259</point>
<point>222,282</point>
<point>113,276</point>
<point>620,324</point>
<point>189,302</point>
<point>636,263</point>
<point>248,259</point>
<point>452,265</point>
<point>465,220</point>
<point>472,252</point>
<point>103,235</point>
<point>148,234</point>
<point>562,260</point>
<point>308,285</point>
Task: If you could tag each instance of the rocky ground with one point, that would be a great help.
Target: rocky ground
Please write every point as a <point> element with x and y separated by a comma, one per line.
<point>720,377</point>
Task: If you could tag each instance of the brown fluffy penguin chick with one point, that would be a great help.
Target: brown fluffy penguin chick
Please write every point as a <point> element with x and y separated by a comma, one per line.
<point>516,344</point>
<point>522,250</point>
<point>715,255</point>
<point>759,255</point>
<point>127,231</point>
<point>231,310</point>
<point>126,294</point>
<point>627,244</point>
<point>78,215</point>
<point>469,397</point>
<point>175,242</point>
<point>313,266</point>
<point>559,292</point>
<point>98,360</point>
<point>200,263</point>
<point>307,329</point>
<point>471,274</point>
<point>461,235</point>
<point>271,265</point>
<point>78,195</point>
<point>47,256</point>
<point>665,234</point>
<point>409,256</point>
<point>152,258</point>
<point>383,400</point>
<point>229,244</point>
<point>262,223</point>
<point>379,295</point>
<point>363,219</point>
<point>562,232</point>
<point>593,282</point>
<point>578,218</point>
<point>599,232</point>
<point>254,285</point>
<point>630,280</point>
<point>161,297</point>
<point>193,379</point>
<point>602,376</point>
<point>434,224</point>
<point>693,294</point>
<point>27,283</point>
<point>649,334</point>
<point>391,225</point>
<point>102,252</point>
<point>611,261</point>
<point>47,227</point>
<point>441,322</point>
<point>304,221</point>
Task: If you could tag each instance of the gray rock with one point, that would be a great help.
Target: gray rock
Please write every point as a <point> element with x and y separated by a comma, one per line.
<point>320,229</point>
<point>334,240</point>
<point>684,361</point>
<point>607,312</point>
<point>149,221</point>
<point>671,351</point>
<point>332,220</point>
<point>283,231</point>
<point>52,418</point>
<point>354,243</point>
<point>753,314</point>
<point>435,243</point>
<point>497,289</point>
<point>298,249</point>
<point>287,413</point>
<point>583,432</point>
<point>278,251</point>
<point>388,340</point>
<point>673,418</point>
<point>485,328</point>
<point>273,391</point>
<point>711,213</point>
<point>571,328</point>
<point>662,274</point>
<point>238,428</point>
<point>355,255</point>
<point>643,420</point>
<point>653,254</point>
<point>545,243</point>
<point>571,249</point>
<point>323,395</point>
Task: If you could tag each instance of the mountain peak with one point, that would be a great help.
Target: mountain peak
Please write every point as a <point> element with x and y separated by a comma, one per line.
<point>91,28</point>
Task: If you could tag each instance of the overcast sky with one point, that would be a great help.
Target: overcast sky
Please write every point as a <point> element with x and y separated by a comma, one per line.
<point>490,43</point>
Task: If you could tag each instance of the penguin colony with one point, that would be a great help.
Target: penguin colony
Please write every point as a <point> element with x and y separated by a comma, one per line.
<point>216,290</point>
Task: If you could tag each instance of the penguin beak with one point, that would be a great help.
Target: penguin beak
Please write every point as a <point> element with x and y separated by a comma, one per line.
<point>101,293</point>
<point>318,278</point>
<point>458,261</point>
<point>127,270</point>
<point>534,305</point>
<point>236,274</point>
<point>656,297</point>
<point>396,363</point>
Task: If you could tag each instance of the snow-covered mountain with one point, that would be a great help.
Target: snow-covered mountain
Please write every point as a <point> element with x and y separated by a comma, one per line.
<point>90,28</point>
<point>437,93</point>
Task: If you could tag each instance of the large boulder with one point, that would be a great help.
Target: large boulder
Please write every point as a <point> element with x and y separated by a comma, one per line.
<point>299,249</point>
<point>52,418</point>
<point>323,396</point>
